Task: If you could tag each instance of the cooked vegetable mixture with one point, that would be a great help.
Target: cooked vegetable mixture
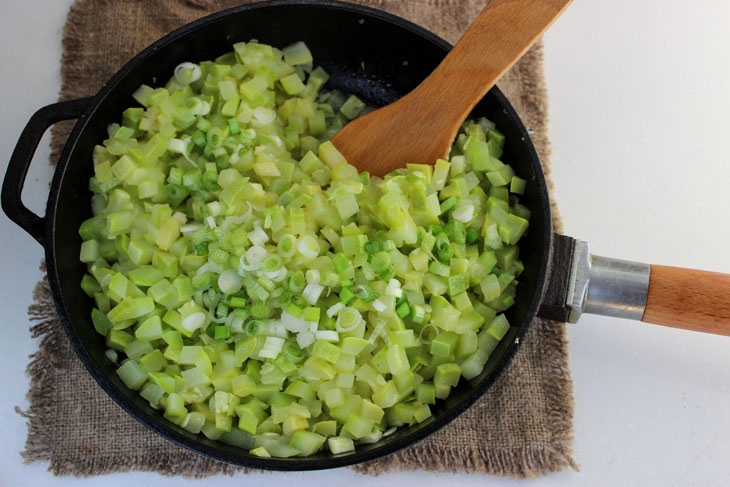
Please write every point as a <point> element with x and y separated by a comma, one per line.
<point>255,287</point>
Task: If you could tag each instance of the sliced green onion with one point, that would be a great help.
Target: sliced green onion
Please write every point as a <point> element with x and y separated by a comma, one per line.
<point>347,319</point>
<point>418,314</point>
<point>297,282</point>
<point>366,293</point>
<point>229,282</point>
<point>287,245</point>
<point>271,263</point>
<point>260,310</point>
<point>253,328</point>
<point>293,353</point>
<point>312,292</point>
<point>346,295</point>
<point>448,203</point>
<point>443,248</point>
<point>313,276</point>
<point>372,247</point>
<point>187,73</point>
<point>308,246</point>
<point>268,295</point>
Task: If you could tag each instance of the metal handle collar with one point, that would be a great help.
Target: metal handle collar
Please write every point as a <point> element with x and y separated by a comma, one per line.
<point>605,286</point>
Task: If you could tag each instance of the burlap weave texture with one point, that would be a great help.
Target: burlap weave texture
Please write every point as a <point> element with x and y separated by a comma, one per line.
<point>522,427</point>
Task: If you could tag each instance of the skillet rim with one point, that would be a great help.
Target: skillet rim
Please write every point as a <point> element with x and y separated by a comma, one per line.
<point>170,431</point>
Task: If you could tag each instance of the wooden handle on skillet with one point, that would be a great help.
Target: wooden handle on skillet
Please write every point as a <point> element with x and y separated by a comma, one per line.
<point>690,299</point>
<point>670,296</point>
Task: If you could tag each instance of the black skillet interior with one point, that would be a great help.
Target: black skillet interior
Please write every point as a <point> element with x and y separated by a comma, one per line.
<point>372,54</point>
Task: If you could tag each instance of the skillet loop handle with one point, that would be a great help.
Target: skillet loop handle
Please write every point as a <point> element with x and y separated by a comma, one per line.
<point>12,202</point>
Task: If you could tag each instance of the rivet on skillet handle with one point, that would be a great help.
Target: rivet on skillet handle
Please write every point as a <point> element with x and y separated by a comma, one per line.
<point>12,202</point>
<point>580,282</point>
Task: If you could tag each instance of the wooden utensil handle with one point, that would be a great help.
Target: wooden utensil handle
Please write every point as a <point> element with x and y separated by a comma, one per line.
<point>497,38</point>
<point>689,299</point>
<point>420,127</point>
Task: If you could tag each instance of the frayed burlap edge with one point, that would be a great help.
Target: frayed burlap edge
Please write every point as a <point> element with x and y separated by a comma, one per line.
<point>43,371</point>
<point>40,370</point>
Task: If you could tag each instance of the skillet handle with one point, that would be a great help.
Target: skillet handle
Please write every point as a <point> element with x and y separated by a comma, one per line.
<point>580,282</point>
<point>690,299</point>
<point>12,202</point>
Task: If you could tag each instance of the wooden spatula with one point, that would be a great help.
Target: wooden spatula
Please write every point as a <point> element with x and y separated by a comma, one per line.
<point>421,126</point>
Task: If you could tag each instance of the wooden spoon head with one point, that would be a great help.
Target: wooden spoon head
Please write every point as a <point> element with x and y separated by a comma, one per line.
<point>395,135</point>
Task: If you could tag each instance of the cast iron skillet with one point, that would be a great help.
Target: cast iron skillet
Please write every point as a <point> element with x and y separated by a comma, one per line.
<point>375,55</point>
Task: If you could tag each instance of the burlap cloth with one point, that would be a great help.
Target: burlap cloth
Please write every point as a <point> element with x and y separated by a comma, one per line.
<point>522,427</point>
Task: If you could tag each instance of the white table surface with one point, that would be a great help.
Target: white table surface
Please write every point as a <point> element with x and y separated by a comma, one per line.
<point>639,104</point>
